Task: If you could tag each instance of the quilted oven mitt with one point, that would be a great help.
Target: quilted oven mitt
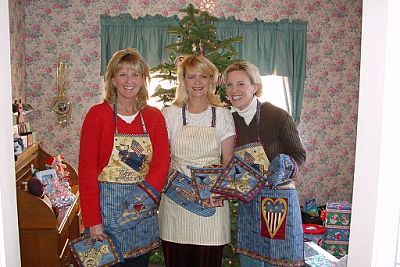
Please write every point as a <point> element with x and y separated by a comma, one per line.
<point>203,179</point>
<point>239,181</point>
<point>180,189</point>
<point>139,204</point>
<point>280,170</point>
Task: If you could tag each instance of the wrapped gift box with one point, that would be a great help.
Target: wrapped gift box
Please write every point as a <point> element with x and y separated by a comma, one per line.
<point>337,234</point>
<point>338,214</point>
<point>337,248</point>
<point>337,225</point>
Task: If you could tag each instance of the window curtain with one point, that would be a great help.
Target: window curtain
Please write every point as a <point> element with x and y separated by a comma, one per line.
<point>147,34</point>
<point>277,48</point>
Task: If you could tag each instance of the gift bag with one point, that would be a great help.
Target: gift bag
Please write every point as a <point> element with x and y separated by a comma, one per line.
<point>90,252</point>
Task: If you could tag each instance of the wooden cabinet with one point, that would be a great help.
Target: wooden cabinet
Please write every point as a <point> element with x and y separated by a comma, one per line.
<point>44,236</point>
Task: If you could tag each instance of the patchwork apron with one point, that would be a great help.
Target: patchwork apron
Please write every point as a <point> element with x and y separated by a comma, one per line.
<point>269,227</point>
<point>127,166</point>
<point>195,146</point>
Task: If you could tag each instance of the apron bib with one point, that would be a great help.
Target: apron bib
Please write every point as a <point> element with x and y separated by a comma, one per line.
<point>190,150</point>
<point>128,165</point>
<point>269,227</point>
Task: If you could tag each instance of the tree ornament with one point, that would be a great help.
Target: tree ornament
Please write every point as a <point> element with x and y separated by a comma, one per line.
<point>202,49</point>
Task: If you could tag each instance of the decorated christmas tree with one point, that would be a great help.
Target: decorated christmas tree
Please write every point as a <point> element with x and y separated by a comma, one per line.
<point>195,34</point>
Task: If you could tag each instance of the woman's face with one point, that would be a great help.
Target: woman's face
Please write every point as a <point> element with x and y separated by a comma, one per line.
<point>239,89</point>
<point>197,83</point>
<point>127,82</point>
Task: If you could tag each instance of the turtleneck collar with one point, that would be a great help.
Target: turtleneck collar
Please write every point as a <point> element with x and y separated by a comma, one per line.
<point>248,113</point>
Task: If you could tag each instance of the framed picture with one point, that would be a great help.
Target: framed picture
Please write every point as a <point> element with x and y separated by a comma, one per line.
<point>18,146</point>
<point>90,252</point>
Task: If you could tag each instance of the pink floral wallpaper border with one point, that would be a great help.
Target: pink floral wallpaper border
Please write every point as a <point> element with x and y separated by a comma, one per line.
<point>44,31</point>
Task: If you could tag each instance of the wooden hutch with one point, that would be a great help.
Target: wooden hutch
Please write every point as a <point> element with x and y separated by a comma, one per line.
<point>44,236</point>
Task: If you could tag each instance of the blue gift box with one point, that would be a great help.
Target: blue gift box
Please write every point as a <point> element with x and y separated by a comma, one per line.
<point>337,234</point>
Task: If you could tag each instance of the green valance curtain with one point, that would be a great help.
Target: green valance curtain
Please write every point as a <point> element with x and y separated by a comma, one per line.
<point>275,47</point>
<point>147,34</point>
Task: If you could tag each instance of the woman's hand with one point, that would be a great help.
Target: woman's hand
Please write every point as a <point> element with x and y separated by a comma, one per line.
<point>97,232</point>
<point>212,203</point>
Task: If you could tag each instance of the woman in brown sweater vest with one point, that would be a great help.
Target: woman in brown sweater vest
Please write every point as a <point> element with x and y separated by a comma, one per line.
<point>269,227</point>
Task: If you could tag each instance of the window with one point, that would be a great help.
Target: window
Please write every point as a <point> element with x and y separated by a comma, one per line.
<point>274,91</point>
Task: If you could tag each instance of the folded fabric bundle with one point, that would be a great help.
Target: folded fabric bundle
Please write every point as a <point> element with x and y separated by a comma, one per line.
<point>239,180</point>
<point>281,170</point>
<point>180,189</point>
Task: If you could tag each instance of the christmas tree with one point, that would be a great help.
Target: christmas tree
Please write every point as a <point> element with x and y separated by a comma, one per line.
<point>195,34</point>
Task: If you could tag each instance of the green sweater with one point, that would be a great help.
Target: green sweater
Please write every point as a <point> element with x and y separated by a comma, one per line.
<point>278,133</point>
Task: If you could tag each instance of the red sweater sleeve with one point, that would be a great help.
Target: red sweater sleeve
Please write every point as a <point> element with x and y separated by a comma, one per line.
<point>159,166</point>
<point>95,149</point>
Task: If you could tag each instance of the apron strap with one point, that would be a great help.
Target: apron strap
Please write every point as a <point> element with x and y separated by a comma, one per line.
<point>213,120</point>
<point>116,115</point>
<point>214,117</point>
<point>143,125</point>
<point>258,119</point>
<point>184,114</point>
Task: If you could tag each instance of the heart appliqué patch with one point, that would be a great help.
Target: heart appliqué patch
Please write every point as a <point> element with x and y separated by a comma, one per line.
<point>274,214</point>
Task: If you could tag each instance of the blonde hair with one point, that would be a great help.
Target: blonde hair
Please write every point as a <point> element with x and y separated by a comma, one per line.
<point>132,58</point>
<point>201,64</point>
<point>251,71</point>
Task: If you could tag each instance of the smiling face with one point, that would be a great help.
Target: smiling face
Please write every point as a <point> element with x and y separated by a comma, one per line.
<point>197,83</point>
<point>239,89</point>
<point>127,82</point>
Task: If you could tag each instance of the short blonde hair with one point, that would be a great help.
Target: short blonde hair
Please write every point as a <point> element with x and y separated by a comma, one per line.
<point>201,64</point>
<point>251,71</point>
<point>134,59</point>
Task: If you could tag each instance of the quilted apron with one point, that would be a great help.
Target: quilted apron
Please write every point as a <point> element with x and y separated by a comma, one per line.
<point>269,227</point>
<point>195,146</point>
<point>127,166</point>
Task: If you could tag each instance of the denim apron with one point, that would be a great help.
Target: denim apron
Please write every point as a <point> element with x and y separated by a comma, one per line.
<point>128,165</point>
<point>195,146</point>
<point>269,227</point>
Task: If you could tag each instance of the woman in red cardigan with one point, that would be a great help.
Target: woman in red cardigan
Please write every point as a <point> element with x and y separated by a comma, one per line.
<point>123,161</point>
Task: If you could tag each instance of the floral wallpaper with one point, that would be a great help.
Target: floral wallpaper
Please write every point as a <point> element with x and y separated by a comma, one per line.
<point>17,36</point>
<point>45,31</point>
